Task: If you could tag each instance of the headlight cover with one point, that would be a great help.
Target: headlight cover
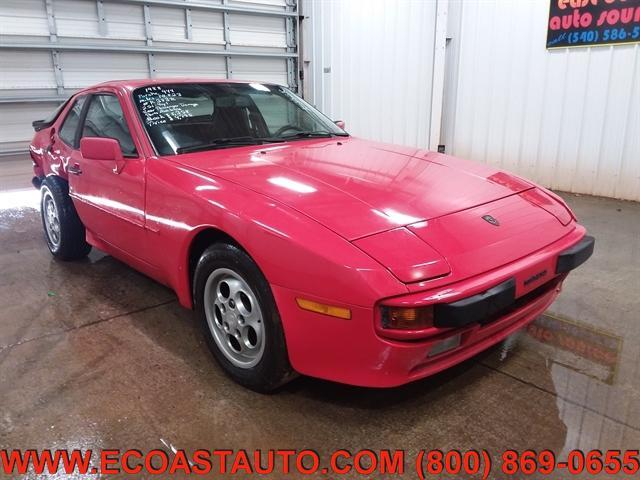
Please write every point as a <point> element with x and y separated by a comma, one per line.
<point>407,257</point>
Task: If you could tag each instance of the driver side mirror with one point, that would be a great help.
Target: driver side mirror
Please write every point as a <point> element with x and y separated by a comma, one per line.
<point>100,148</point>
<point>340,123</point>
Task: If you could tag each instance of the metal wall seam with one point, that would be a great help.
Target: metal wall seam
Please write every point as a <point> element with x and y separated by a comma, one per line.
<point>140,49</point>
<point>188,24</point>
<point>51,99</point>
<point>290,27</point>
<point>102,21</point>
<point>53,38</point>
<point>439,73</point>
<point>51,20</point>
<point>210,7</point>
<point>226,31</point>
<point>148,31</point>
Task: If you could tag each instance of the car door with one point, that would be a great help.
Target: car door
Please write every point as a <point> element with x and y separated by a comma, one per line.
<point>109,195</point>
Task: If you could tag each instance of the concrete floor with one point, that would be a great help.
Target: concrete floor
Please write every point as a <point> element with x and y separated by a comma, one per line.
<point>95,355</point>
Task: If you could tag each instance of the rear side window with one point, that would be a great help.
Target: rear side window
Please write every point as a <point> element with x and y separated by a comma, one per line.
<point>106,119</point>
<point>71,122</point>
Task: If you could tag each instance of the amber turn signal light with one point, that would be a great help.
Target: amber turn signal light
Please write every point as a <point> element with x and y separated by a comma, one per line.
<point>407,318</point>
<point>324,309</point>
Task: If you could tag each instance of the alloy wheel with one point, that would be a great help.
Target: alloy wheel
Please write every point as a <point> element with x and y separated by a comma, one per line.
<point>234,317</point>
<point>51,219</point>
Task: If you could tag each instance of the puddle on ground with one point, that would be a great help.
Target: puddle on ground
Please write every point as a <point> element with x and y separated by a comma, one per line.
<point>597,397</point>
<point>576,346</point>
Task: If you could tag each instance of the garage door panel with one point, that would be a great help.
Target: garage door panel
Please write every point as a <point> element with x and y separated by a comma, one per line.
<point>26,71</point>
<point>124,21</point>
<point>168,25</point>
<point>24,17</point>
<point>256,30</point>
<point>76,19</point>
<point>17,118</point>
<point>259,3</point>
<point>82,69</point>
<point>92,42</point>
<point>207,27</point>
<point>260,69</point>
<point>197,66</point>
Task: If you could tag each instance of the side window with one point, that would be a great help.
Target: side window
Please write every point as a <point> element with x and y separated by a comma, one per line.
<point>71,122</point>
<point>105,119</point>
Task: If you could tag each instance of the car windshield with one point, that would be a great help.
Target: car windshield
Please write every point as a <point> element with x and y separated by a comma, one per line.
<point>188,117</point>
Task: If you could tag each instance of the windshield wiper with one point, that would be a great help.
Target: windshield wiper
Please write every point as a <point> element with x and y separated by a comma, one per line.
<point>227,142</point>
<point>314,134</point>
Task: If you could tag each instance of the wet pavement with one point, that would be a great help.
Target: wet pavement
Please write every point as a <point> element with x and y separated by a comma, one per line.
<point>95,355</point>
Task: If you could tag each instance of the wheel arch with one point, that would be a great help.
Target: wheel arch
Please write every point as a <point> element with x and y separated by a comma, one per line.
<point>56,177</point>
<point>71,241</point>
<point>201,239</point>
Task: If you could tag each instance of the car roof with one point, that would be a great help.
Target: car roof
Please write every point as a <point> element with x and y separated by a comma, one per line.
<point>131,84</point>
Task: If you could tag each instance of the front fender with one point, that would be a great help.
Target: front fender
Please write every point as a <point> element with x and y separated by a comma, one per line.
<point>292,250</point>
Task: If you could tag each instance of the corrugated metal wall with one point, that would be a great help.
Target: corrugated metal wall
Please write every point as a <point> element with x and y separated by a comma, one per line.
<point>370,63</point>
<point>568,118</point>
<point>51,48</point>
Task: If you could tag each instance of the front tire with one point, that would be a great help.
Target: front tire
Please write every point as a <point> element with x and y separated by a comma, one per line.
<point>63,230</point>
<point>240,319</point>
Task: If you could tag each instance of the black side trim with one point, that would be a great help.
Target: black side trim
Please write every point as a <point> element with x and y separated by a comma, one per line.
<point>477,308</point>
<point>575,256</point>
<point>41,124</point>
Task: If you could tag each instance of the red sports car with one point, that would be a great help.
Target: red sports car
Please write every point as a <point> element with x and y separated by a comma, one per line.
<point>302,249</point>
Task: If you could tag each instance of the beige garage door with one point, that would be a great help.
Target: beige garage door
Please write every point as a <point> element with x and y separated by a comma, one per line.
<point>51,48</point>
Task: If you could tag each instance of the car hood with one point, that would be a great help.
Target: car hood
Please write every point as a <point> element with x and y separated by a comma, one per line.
<point>355,187</point>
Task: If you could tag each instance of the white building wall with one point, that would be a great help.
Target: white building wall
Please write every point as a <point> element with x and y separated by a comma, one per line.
<point>370,63</point>
<point>568,118</point>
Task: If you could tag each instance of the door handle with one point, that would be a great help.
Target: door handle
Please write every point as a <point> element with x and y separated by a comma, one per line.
<point>74,169</point>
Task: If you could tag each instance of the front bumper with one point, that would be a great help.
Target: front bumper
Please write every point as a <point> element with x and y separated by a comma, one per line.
<point>496,302</point>
<point>359,352</point>
<point>575,256</point>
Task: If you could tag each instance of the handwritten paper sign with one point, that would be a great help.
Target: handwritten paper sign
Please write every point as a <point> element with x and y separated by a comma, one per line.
<point>585,23</point>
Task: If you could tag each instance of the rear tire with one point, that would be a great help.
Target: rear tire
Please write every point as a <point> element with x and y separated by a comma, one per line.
<point>64,232</point>
<point>240,319</point>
